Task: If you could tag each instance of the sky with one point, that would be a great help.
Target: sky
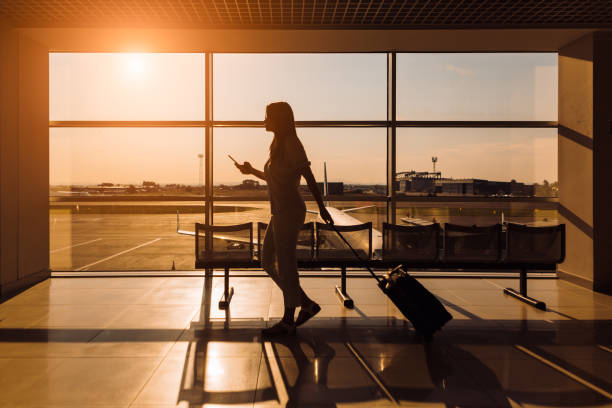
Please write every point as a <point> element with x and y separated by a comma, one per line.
<point>431,86</point>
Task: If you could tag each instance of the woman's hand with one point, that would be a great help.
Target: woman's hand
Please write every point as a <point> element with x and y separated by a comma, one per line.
<point>244,168</point>
<point>326,216</point>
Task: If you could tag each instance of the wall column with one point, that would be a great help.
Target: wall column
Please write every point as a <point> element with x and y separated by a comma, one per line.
<point>24,161</point>
<point>585,160</point>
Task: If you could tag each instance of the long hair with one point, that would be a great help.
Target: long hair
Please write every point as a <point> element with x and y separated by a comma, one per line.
<point>281,114</point>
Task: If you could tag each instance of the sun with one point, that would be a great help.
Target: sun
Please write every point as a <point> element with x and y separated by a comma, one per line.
<point>135,65</point>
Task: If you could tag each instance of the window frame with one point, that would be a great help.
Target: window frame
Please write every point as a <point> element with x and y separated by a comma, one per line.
<point>391,124</point>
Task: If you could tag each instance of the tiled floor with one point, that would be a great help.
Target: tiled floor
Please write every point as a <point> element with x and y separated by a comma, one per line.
<point>161,342</point>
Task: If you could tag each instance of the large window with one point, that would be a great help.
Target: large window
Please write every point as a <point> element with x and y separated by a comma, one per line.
<point>134,137</point>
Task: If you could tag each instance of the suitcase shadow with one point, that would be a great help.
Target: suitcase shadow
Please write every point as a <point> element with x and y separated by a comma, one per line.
<point>450,380</point>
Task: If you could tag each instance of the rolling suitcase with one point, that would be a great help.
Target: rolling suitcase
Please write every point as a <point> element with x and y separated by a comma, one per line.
<point>419,305</point>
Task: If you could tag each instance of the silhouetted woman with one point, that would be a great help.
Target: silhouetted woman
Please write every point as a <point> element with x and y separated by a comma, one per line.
<point>282,172</point>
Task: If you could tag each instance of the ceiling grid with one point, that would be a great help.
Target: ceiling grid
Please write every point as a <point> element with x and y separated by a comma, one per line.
<point>315,14</point>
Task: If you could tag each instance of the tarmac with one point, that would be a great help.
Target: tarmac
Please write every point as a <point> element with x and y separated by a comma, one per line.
<point>142,236</point>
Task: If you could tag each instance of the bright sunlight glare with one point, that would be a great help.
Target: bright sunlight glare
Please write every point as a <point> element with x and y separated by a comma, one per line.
<point>135,64</point>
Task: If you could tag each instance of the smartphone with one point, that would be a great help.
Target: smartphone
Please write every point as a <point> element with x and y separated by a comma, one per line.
<point>234,160</point>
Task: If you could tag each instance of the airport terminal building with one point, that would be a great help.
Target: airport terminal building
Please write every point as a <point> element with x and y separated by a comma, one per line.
<point>434,183</point>
<point>131,246</point>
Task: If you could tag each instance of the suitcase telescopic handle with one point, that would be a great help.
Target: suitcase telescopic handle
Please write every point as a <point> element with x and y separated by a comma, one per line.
<point>355,253</point>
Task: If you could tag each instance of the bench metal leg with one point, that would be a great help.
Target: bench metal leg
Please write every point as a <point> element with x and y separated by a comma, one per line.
<point>522,293</point>
<point>341,291</point>
<point>227,292</point>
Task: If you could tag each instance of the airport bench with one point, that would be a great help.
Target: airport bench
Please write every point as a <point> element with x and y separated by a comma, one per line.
<point>486,248</point>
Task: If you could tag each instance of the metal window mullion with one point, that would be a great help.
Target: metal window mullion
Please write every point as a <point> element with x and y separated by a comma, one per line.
<point>477,123</point>
<point>304,123</point>
<point>208,148</point>
<point>391,135</point>
<point>127,123</point>
<point>309,123</point>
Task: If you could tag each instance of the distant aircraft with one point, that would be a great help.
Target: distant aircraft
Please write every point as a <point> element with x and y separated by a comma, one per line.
<point>340,217</point>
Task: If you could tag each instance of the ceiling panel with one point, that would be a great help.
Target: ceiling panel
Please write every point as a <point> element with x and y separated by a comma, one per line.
<point>423,14</point>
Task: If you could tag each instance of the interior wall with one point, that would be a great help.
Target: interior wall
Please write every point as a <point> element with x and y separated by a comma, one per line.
<point>33,157</point>
<point>24,161</point>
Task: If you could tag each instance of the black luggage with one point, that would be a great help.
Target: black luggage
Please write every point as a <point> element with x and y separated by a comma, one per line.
<point>419,305</point>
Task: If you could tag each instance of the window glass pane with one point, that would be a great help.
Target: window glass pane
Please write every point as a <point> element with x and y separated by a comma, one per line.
<point>318,86</point>
<point>125,86</point>
<point>355,157</point>
<point>477,161</point>
<point>243,144</point>
<point>472,86</point>
<point>476,213</point>
<point>115,194</point>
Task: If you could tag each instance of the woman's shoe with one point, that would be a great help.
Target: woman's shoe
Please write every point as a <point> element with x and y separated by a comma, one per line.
<point>279,329</point>
<point>306,313</point>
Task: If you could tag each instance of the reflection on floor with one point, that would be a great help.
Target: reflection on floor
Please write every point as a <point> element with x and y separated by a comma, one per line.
<point>154,342</point>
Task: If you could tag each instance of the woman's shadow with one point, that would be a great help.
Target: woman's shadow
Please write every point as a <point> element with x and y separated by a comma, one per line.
<point>304,364</point>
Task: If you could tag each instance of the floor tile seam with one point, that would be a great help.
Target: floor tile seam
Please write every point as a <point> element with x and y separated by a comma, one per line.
<point>551,355</point>
<point>494,284</point>
<point>546,361</point>
<point>257,381</point>
<point>165,304</point>
<point>36,322</point>
<point>81,357</point>
<point>579,321</point>
<point>113,304</point>
<point>89,356</point>
<point>34,358</point>
<point>144,384</point>
<point>607,306</point>
<point>462,299</point>
<point>575,286</point>
<point>126,309</point>
<point>98,284</point>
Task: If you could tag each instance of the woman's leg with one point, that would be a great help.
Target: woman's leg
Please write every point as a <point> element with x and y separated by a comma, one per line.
<point>269,262</point>
<point>286,228</point>
<point>279,260</point>
<point>268,255</point>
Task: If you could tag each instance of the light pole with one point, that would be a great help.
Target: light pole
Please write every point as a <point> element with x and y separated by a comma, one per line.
<point>201,170</point>
<point>434,159</point>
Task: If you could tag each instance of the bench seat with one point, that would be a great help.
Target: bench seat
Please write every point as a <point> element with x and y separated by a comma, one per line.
<point>491,248</point>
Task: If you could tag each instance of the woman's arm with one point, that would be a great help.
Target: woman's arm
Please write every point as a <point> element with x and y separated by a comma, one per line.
<point>246,168</point>
<point>314,189</point>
